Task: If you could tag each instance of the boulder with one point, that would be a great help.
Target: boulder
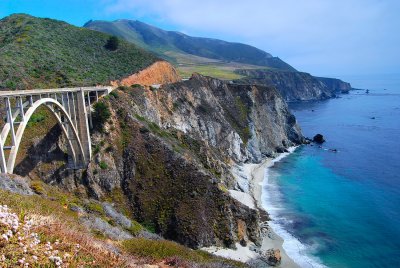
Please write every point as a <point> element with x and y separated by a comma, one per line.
<point>272,257</point>
<point>319,138</point>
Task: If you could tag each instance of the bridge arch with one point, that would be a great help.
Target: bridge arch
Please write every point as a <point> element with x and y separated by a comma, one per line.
<point>71,108</point>
<point>66,124</point>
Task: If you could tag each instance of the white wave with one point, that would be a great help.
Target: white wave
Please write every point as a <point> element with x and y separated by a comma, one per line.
<point>271,201</point>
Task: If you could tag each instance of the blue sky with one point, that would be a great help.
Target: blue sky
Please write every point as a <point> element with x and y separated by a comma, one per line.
<point>323,37</point>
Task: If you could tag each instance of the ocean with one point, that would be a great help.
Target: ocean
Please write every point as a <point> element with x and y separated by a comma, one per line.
<point>342,209</point>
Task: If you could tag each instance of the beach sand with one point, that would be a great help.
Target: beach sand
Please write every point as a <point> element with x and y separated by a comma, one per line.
<point>272,240</point>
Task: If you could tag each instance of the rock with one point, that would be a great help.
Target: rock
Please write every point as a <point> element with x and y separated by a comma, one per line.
<point>319,138</point>
<point>76,208</point>
<point>15,184</point>
<point>115,233</point>
<point>115,215</point>
<point>272,257</point>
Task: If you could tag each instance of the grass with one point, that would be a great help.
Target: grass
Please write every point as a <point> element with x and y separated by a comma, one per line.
<point>217,71</point>
<point>163,249</point>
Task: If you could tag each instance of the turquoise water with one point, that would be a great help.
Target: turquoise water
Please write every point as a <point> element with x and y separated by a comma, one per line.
<point>342,209</point>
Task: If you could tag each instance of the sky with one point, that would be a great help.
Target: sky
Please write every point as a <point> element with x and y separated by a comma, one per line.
<point>322,37</point>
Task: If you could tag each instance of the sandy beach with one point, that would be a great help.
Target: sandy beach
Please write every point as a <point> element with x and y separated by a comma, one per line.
<point>272,240</point>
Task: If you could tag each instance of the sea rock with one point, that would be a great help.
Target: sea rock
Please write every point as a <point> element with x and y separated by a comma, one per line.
<point>272,257</point>
<point>319,138</point>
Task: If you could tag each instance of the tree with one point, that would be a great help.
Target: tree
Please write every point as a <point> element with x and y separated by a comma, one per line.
<point>112,43</point>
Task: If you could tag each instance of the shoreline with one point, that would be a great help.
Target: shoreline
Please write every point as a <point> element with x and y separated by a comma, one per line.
<point>271,239</point>
<point>251,177</point>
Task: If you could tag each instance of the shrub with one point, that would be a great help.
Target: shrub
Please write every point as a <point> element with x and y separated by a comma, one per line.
<point>135,228</point>
<point>37,187</point>
<point>95,207</point>
<point>101,115</point>
<point>103,165</point>
<point>112,43</point>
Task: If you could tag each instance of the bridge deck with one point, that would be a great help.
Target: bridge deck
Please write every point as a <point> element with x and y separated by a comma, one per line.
<point>14,93</point>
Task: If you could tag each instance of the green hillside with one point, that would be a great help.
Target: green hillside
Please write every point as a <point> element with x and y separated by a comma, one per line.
<point>43,53</point>
<point>186,51</point>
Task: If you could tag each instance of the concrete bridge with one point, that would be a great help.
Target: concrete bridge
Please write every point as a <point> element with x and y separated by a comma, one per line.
<point>70,106</point>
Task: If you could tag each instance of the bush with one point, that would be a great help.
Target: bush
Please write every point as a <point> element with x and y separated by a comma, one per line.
<point>103,165</point>
<point>112,43</point>
<point>37,187</point>
<point>100,116</point>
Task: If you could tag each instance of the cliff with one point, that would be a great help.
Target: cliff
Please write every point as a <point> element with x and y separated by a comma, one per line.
<point>335,85</point>
<point>295,86</point>
<point>169,152</point>
<point>160,72</point>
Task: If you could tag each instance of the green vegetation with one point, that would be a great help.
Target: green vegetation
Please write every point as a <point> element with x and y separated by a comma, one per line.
<point>100,116</point>
<point>163,249</point>
<point>218,71</point>
<point>37,187</point>
<point>103,165</point>
<point>45,53</point>
<point>95,207</point>
<point>37,117</point>
<point>135,228</point>
<point>112,43</point>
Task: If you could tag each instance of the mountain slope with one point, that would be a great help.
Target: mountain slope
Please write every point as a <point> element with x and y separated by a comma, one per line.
<point>164,42</point>
<point>43,53</point>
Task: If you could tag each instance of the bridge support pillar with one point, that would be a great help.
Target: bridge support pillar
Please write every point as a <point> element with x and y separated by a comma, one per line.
<point>83,126</point>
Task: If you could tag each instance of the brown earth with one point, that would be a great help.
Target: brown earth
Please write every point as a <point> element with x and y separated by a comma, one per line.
<point>160,72</point>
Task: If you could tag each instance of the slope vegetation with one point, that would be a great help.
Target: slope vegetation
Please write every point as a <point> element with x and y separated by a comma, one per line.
<point>46,53</point>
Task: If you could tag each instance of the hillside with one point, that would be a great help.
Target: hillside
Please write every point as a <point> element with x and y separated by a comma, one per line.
<point>187,51</point>
<point>45,53</point>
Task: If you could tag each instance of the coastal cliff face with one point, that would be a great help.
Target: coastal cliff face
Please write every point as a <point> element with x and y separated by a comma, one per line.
<point>245,122</point>
<point>295,86</point>
<point>335,85</point>
<point>168,154</point>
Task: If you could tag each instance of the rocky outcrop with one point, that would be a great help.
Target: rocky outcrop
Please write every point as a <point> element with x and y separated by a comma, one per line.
<point>319,138</point>
<point>295,86</point>
<point>160,72</point>
<point>335,85</point>
<point>272,257</point>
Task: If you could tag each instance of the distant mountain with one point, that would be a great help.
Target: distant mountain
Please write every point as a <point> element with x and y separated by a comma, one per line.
<point>46,53</point>
<point>177,47</point>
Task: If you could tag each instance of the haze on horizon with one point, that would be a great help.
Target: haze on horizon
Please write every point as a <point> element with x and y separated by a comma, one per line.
<point>326,38</point>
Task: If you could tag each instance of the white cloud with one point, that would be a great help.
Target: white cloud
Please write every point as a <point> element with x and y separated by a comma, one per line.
<point>313,35</point>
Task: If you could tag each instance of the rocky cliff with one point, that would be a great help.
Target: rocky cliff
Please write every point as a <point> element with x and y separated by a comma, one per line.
<point>335,85</point>
<point>295,86</point>
<point>167,154</point>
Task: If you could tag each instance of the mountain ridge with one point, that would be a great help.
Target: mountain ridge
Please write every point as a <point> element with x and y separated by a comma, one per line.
<point>162,41</point>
